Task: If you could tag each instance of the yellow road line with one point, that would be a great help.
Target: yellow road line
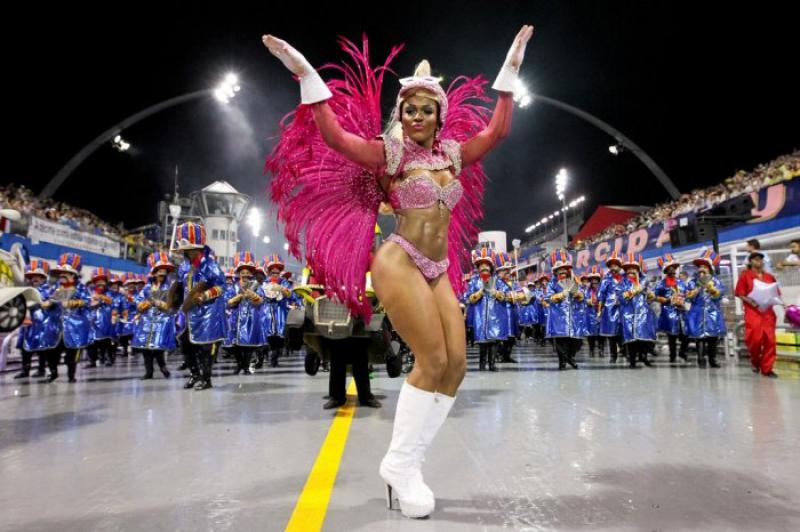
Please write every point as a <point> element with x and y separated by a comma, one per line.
<point>309,512</point>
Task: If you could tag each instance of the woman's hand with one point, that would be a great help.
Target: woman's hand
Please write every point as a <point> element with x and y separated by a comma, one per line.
<point>288,54</point>
<point>517,51</point>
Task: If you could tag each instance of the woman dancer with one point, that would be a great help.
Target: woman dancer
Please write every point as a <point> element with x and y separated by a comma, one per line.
<point>331,171</point>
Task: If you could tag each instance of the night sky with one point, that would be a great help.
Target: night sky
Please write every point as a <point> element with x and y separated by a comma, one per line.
<point>704,90</point>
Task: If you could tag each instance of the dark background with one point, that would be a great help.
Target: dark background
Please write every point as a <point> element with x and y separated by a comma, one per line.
<point>704,90</point>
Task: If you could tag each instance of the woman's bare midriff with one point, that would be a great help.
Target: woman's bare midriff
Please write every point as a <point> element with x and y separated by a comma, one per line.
<point>425,228</point>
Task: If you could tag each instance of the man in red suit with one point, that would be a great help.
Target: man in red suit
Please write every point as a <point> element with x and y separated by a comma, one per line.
<point>759,325</point>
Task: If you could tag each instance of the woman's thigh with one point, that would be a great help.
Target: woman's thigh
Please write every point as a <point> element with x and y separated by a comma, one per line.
<point>410,305</point>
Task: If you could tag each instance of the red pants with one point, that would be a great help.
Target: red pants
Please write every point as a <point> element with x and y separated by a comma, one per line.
<point>759,335</point>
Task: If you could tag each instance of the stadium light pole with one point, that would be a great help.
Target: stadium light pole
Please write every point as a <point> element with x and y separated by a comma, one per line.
<point>561,187</point>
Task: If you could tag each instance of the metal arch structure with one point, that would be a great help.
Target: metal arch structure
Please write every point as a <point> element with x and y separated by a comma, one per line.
<point>620,138</point>
<point>66,170</point>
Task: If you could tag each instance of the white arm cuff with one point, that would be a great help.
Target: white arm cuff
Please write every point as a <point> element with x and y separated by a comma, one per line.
<point>506,79</point>
<point>313,89</point>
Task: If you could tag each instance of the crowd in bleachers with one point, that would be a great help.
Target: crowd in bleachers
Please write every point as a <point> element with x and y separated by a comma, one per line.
<point>22,199</point>
<point>783,168</point>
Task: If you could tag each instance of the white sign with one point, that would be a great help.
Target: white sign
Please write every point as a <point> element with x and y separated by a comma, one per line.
<point>45,231</point>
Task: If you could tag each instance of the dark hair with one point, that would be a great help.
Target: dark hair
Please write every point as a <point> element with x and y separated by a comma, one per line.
<point>795,241</point>
<point>754,243</point>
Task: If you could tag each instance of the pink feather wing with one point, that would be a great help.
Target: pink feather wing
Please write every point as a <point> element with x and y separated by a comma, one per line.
<point>328,204</point>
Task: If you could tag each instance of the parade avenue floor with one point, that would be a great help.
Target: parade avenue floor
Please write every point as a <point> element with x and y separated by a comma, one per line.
<point>525,448</point>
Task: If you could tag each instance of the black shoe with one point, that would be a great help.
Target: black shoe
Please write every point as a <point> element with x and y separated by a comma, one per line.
<point>109,364</point>
<point>755,370</point>
<point>672,360</point>
<point>182,367</point>
<point>509,359</point>
<point>701,363</point>
<point>333,403</point>
<point>40,373</point>
<point>72,379</point>
<point>572,363</point>
<point>202,385</point>
<point>191,382</point>
<point>165,373</point>
<point>648,363</point>
<point>237,371</point>
<point>370,403</point>
<point>771,375</point>
<point>50,378</point>
<point>714,364</point>
<point>146,377</point>
<point>562,367</point>
<point>21,375</point>
<point>684,357</point>
<point>632,365</point>
<point>613,360</point>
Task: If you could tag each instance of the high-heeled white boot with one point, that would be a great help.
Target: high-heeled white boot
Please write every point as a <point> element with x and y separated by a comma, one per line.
<point>399,467</point>
<point>433,422</point>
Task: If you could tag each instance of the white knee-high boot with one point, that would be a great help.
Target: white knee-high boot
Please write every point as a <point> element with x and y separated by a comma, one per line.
<point>400,467</point>
<point>433,422</point>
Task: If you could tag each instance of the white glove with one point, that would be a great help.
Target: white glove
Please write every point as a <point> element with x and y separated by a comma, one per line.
<point>312,87</point>
<point>506,79</point>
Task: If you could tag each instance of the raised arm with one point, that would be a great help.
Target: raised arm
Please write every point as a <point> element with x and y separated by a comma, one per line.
<point>479,145</point>
<point>368,153</point>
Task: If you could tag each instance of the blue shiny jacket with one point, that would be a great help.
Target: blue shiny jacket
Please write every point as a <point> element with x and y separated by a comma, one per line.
<point>610,296</point>
<point>513,310</point>
<point>704,318</point>
<point>100,314</point>
<point>227,294</point>
<point>154,329</point>
<point>126,313</point>
<point>469,308</point>
<point>246,324</point>
<point>638,319</point>
<point>591,300</point>
<point>76,325</point>
<point>671,319</point>
<point>526,310</point>
<point>275,310</point>
<point>44,332</point>
<point>565,318</point>
<point>540,309</point>
<point>206,321</point>
<point>489,318</point>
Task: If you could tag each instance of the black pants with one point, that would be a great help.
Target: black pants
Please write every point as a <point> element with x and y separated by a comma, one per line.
<point>102,349</point>
<point>198,357</point>
<point>538,333</point>
<point>672,341</point>
<point>595,342</point>
<point>71,356</point>
<point>471,336</point>
<point>637,351</point>
<point>124,342</point>
<point>358,359</point>
<point>566,348</point>
<point>242,355</point>
<point>487,352</point>
<point>275,347</point>
<point>707,348</point>
<point>149,355</point>
<point>614,342</point>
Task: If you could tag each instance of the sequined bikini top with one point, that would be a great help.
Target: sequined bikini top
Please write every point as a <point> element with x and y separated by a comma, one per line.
<point>421,190</point>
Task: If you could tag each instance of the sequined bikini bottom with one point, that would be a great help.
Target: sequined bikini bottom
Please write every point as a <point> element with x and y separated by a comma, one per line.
<point>430,269</point>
